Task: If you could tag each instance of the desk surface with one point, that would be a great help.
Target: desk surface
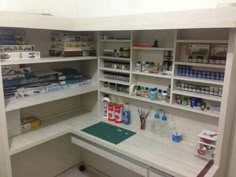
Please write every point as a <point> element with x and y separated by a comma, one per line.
<point>176,159</point>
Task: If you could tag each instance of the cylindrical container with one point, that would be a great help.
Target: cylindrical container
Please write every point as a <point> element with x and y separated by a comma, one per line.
<point>139,66</point>
<point>118,113</point>
<point>126,119</point>
<point>111,116</point>
<point>105,101</point>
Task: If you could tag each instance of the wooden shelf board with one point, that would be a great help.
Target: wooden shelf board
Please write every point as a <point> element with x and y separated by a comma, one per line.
<point>115,58</point>
<point>208,113</point>
<point>114,81</point>
<point>201,65</point>
<point>153,48</point>
<point>203,41</point>
<point>44,60</point>
<point>115,40</point>
<point>206,81</point>
<point>162,103</point>
<point>14,104</point>
<point>115,70</point>
<point>152,75</point>
<point>198,95</point>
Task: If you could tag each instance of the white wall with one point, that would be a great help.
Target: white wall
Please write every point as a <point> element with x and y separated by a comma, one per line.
<point>232,153</point>
<point>65,8</point>
<point>123,7</point>
<point>95,8</point>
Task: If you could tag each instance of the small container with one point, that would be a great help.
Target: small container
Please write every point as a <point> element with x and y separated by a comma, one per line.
<point>220,92</point>
<point>139,66</point>
<point>153,94</point>
<point>111,108</point>
<point>179,85</point>
<point>126,119</point>
<point>118,112</point>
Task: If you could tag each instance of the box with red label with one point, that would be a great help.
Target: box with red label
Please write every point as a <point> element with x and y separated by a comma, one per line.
<point>111,109</point>
<point>118,113</point>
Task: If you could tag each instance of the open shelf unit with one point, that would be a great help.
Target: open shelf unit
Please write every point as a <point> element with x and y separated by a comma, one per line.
<point>175,41</point>
<point>87,96</point>
<point>148,78</point>
<point>52,107</point>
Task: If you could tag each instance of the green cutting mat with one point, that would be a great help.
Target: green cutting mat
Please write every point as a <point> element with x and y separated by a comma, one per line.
<point>107,132</point>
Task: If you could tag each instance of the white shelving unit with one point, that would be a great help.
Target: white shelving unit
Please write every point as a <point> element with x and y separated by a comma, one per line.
<point>218,120</point>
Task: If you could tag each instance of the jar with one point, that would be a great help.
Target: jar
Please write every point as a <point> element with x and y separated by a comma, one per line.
<point>182,86</point>
<point>139,66</point>
<point>223,61</point>
<point>220,92</point>
<point>186,87</point>
<point>178,85</point>
<point>146,92</point>
<point>147,66</point>
<point>143,66</point>
<point>207,90</point>
<point>211,90</point>
<point>126,53</point>
<point>205,60</point>
<point>212,61</point>
<point>198,89</point>
<point>190,88</point>
<point>216,91</point>
<point>194,89</point>
<point>202,89</point>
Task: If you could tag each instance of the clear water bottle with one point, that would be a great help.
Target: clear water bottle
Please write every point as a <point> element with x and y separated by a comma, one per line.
<point>165,131</point>
<point>156,127</point>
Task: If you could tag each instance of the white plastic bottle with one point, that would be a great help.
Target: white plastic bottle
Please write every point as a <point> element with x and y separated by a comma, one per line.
<point>106,100</point>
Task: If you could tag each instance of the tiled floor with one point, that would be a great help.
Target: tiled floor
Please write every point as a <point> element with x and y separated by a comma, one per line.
<point>74,172</point>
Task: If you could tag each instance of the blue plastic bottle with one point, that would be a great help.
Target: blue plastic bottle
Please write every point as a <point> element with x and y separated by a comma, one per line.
<point>126,114</point>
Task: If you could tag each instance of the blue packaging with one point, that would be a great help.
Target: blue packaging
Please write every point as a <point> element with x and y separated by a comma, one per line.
<point>213,76</point>
<point>126,117</point>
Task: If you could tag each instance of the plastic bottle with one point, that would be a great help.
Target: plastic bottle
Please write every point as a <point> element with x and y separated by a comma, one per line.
<point>156,127</point>
<point>106,100</point>
<point>153,94</point>
<point>164,126</point>
<point>126,114</point>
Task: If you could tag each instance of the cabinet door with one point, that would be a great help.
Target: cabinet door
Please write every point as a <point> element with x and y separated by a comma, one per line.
<point>157,173</point>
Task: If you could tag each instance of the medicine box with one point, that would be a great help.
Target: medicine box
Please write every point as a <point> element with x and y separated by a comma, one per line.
<point>29,123</point>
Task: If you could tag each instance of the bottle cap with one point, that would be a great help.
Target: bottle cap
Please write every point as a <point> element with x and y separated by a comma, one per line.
<point>164,117</point>
<point>156,116</point>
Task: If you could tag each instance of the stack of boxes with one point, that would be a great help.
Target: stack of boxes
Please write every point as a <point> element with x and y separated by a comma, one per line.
<point>20,81</point>
<point>12,46</point>
<point>71,44</point>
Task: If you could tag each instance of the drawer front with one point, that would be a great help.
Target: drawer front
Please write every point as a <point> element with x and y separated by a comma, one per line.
<point>120,160</point>
<point>157,173</point>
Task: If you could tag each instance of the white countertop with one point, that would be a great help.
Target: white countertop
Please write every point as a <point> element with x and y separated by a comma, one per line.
<point>176,159</point>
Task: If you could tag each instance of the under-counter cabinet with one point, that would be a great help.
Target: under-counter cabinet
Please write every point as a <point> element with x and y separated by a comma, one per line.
<point>64,90</point>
